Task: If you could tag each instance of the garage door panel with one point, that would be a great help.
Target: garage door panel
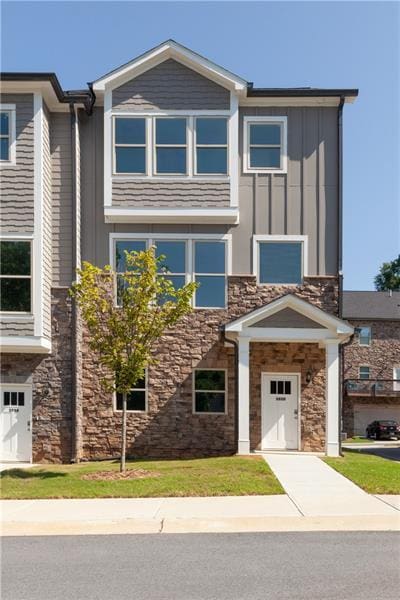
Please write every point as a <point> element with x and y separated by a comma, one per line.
<point>364,414</point>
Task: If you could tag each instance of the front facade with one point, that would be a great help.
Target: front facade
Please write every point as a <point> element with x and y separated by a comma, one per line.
<point>371,365</point>
<point>240,188</point>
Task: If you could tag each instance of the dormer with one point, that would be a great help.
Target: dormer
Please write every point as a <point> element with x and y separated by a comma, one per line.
<point>171,138</point>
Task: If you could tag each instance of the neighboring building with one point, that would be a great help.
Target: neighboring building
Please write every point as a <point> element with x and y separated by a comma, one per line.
<point>371,366</point>
<point>241,189</point>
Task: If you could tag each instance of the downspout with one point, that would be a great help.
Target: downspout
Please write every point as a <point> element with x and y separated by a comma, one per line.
<point>74,320</point>
<point>235,346</point>
<point>340,258</point>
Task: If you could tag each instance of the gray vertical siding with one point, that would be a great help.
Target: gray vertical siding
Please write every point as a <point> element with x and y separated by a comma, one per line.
<point>46,231</point>
<point>169,86</point>
<point>16,182</point>
<point>61,165</point>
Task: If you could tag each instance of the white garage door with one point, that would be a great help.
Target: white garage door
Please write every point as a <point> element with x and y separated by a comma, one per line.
<point>364,414</point>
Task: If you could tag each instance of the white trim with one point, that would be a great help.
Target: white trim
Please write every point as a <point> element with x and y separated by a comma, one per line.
<point>38,241</point>
<point>233,150</point>
<point>121,214</point>
<point>170,49</point>
<point>274,101</point>
<point>170,113</point>
<point>12,135</point>
<point>243,383</point>
<point>264,375</point>
<point>249,120</point>
<point>108,149</point>
<point>225,391</point>
<point>286,334</point>
<point>33,344</point>
<point>332,397</point>
<point>279,238</point>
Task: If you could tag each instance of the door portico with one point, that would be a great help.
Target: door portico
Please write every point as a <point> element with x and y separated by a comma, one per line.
<point>291,320</point>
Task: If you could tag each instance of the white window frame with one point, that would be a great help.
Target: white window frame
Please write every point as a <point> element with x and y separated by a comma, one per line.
<point>359,336</point>
<point>20,313</point>
<point>264,120</point>
<point>369,372</point>
<point>196,145</point>
<point>145,389</point>
<point>257,239</point>
<point>190,239</point>
<point>155,146</point>
<point>396,384</point>
<point>225,392</point>
<point>11,110</point>
<point>115,145</point>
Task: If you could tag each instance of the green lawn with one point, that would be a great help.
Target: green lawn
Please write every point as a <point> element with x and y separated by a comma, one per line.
<point>358,440</point>
<point>373,474</point>
<point>225,476</point>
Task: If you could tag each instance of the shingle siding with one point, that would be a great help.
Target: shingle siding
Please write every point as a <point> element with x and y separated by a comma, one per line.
<point>189,194</point>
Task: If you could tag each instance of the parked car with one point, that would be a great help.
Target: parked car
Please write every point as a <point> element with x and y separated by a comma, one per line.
<point>383,429</point>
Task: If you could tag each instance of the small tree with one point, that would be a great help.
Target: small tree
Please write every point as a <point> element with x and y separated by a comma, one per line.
<point>388,277</point>
<point>125,335</point>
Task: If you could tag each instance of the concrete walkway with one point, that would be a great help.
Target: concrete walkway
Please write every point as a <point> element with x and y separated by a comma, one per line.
<point>318,490</point>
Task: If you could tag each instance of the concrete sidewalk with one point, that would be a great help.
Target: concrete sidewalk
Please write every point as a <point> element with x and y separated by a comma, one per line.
<point>319,491</point>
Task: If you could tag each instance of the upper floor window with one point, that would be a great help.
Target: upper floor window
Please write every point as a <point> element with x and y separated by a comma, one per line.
<point>211,146</point>
<point>364,372</point>
<point>170,146</point>
<point>265,141</point>
<point>201,260</point>
<point>130,145</point>
<point>15,276</point>
<point>364,336</point>
<point>7,133</point>
<point>280,259</point>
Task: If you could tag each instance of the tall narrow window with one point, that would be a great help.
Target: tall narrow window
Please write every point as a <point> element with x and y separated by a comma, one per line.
<point>174,262</point>
<point>364,336</point>
<point>280,262</point>
<point>5,135</point>
<point>210,274</point>
<point>364,372</point>
<point>15,276</point>
<point>211,146</point>
<point>265,144</point>
<point>121,247</point>
<point>171,146</point>
<point>130,145</point>
<point>209,391</point>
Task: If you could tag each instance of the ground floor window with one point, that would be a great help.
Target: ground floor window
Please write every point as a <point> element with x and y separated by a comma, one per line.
<point>209,391</point>
<point>136,399</point>
<point>364,372</point>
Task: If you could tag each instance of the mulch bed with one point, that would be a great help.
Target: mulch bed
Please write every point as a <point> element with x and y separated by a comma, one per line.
<point>116,475</point>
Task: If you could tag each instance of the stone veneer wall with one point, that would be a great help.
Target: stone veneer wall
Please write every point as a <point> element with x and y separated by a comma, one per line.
<point>50,376</point>
<point>291,358</point>
<point>381,356</point>
<point>169,428</point>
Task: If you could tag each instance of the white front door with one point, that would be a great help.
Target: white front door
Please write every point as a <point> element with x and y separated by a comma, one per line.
<point>15,423</point>
<point>279,417</point>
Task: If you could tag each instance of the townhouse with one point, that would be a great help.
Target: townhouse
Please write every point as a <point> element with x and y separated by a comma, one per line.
<point>241,189</point>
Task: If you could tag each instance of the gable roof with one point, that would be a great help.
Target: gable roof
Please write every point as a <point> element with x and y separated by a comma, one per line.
<point>371,305</point>
<point>324,319</point>
<point>178,52</point>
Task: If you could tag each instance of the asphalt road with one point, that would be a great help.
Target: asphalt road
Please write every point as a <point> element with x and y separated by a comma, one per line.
<point>389,453</point>
<point>281,566</point>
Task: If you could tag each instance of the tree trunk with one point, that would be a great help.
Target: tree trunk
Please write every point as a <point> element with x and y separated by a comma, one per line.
<point>123,435</point>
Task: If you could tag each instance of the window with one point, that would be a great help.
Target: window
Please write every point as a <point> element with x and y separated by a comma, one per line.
<point>170,146</point>
<point>364,372</point>
<point>211,146</point>
<point>7,133</point>
<point>396,379</point>
<point>364,336</point>
<point>121,247</point>
<point>15,276</point>
<point>209,391</point>
<point>265,144</point>
<point>202,260</point>
<point>280,260</point>
<point>14,399</point>
<point>136,400</point>
<point>210,273</point>
<point>129,145</point>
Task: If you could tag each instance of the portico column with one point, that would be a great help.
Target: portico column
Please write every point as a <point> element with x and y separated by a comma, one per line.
<point>332,397</point>
<point>244,400</point>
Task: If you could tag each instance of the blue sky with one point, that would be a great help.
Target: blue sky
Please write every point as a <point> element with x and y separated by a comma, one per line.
<point>327,44</point>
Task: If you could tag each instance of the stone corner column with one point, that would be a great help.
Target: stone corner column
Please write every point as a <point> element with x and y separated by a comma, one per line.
<point>244,399</point>
<point>332,397</point>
